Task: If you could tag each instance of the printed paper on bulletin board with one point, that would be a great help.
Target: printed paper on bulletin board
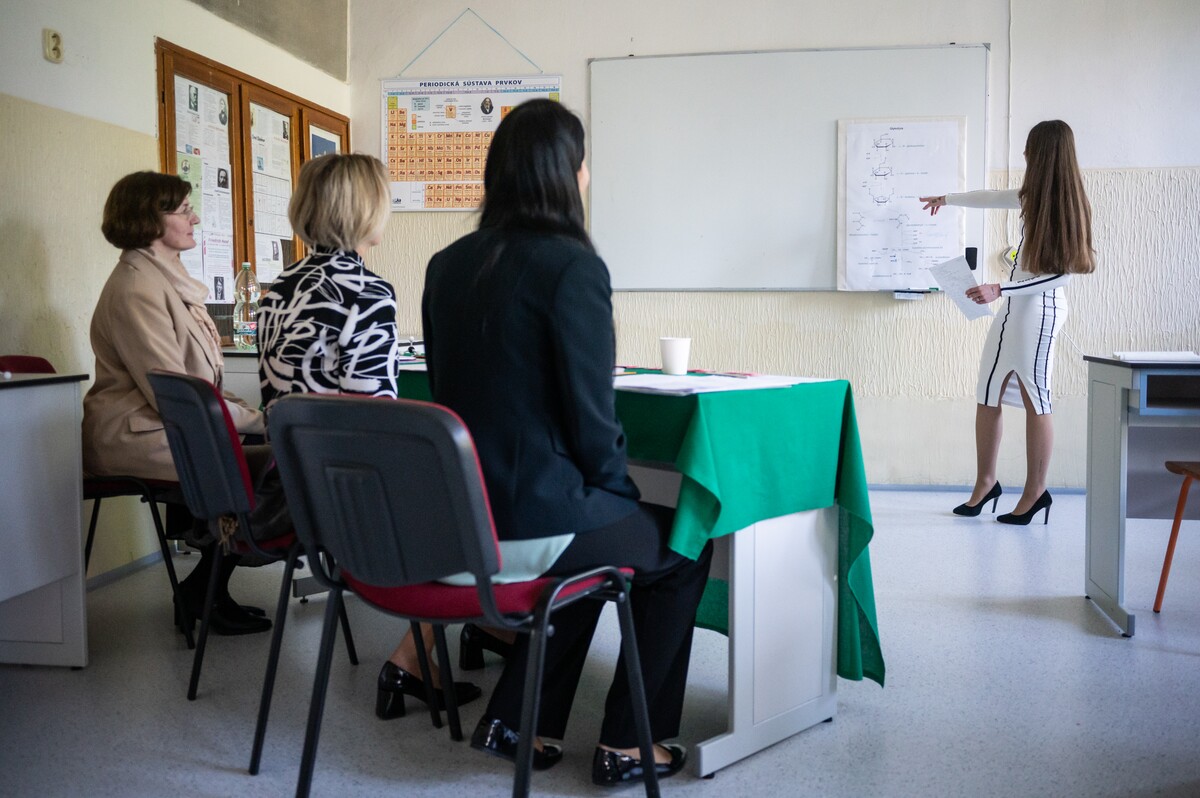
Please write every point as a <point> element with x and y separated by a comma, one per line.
<point>436,133</point>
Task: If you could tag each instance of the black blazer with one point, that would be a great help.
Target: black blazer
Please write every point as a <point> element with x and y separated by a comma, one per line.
<point>519,341</point>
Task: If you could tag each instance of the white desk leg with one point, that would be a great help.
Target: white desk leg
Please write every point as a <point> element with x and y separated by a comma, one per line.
<point>1108,450</point>
<point>782,635</point>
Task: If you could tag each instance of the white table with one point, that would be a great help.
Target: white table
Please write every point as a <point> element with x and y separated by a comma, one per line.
<point>1139,416</point>
<point>782,654</point>
<point>43,615</point>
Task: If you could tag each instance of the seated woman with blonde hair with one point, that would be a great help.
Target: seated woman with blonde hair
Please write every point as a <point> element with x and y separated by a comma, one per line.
<point>328,326</point>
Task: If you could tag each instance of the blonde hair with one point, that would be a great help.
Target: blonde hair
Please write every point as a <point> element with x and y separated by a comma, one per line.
<point>1054,206</point>
<point>340,201</point>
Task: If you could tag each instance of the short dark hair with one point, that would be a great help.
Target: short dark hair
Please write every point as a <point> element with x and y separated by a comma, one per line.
<point>530,180</point>
<point>134,209</point>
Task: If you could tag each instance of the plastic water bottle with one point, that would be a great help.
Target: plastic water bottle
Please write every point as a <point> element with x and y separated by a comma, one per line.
<point>245,311</point>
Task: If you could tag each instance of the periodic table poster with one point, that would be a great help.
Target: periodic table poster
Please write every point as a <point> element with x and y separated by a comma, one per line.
<point>436,133</point>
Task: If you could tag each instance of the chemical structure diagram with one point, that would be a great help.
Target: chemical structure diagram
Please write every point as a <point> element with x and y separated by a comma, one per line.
<point>888,243</point>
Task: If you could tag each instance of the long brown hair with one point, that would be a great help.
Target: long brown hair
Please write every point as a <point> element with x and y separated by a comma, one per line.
<point>1054,206</point>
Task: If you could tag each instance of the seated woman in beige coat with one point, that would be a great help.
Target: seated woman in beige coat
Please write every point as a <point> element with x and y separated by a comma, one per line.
<point>151,315</point>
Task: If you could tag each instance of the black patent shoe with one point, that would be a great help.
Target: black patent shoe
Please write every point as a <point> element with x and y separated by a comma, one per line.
<point>972,510</point>
<point>395,683</point>
<point>610,768</point>
<point>495,738</point>
<point>473,641</point>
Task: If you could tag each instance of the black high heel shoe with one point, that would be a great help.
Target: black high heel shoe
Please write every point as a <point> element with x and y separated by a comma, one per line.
<point>395,683</point>
<point>473,641</point>
<point>495,738</point>
<point>610,768</point>
<point>1043,503</point>
<point>972,510</point>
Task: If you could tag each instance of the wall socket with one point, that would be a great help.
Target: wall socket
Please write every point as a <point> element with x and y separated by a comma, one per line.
<point>52,45</point>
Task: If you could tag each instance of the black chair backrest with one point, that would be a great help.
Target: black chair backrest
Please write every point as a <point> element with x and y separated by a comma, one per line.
<point>204,445</point>
<point>390,488</point>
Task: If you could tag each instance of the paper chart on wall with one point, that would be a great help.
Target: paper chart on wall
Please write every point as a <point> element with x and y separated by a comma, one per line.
<point>202,158</point>
<point>271,164</point>
<point>436,134</point>
<point>885,241</point>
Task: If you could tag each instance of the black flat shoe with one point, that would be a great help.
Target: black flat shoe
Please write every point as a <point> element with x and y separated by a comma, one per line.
<point>972,510</point>
<point>1022,519</point>
<point>473,641</point>
<point>610,768</point>
<point>231,609</point>
<point>395,683</point>
<point>494,738</point>
<point>219,622</point>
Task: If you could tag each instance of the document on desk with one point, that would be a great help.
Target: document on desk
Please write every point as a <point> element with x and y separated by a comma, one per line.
<point>954,277</point>
<point>411,365</point>
<point>687,384</point>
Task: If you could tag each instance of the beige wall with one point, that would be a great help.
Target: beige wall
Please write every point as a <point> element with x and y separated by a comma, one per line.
<point>912,364</point>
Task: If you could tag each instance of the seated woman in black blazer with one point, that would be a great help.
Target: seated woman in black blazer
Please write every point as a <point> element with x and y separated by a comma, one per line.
<point>519,341</point>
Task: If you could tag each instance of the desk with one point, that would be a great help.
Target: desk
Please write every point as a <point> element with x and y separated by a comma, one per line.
<point>1139,415</point>
<point>783,468</point>
<point>43,618</point>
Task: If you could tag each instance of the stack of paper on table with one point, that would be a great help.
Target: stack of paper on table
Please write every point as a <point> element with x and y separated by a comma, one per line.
<point>687,384</point>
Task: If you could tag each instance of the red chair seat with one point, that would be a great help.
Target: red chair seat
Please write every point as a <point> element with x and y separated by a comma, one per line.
<point>447,603</point>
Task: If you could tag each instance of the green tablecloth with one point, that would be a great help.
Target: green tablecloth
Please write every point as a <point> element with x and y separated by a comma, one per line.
<point>747,456</point>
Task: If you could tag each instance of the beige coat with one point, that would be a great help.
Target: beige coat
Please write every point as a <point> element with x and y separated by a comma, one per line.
<point>142,322</point>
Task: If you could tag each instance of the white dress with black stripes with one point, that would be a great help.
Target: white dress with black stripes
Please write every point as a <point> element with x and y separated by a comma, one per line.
<point>1025,330</point>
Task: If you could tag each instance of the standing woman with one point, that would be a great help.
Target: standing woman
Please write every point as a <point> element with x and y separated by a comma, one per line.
<point>151,315</point>
<point>1056,242</point>
<point>328,326</point>
<point>519,341</point>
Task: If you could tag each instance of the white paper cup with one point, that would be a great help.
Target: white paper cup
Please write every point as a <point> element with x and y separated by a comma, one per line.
<point>675,354</point>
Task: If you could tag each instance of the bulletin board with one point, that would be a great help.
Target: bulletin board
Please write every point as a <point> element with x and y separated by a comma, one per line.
<point>719,172</point>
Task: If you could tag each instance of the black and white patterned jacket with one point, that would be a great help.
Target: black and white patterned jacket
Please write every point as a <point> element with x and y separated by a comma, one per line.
<point>327,325</point>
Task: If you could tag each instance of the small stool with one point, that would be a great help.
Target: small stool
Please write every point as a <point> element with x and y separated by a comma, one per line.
<point>1188,471</point>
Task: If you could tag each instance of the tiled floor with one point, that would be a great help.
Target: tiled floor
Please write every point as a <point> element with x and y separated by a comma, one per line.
<point>1002,680</point>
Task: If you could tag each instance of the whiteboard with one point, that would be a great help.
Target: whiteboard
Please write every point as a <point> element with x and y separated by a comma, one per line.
<point>719,171</point>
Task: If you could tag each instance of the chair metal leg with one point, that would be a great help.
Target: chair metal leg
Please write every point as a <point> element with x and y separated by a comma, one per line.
<point>264,703</point>
<point>637,690</point>
<point>316,707</point>
<point>426,675</point>
<point>164,547</point>
<point>210,597</point>
<point>530,703</point>
<point>1166,569</point>
<point>439,639</point>
<point>87,550</point>
<point>351,651</point>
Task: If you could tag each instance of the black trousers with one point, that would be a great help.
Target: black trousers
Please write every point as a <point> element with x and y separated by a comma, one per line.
<point>666,591</point>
